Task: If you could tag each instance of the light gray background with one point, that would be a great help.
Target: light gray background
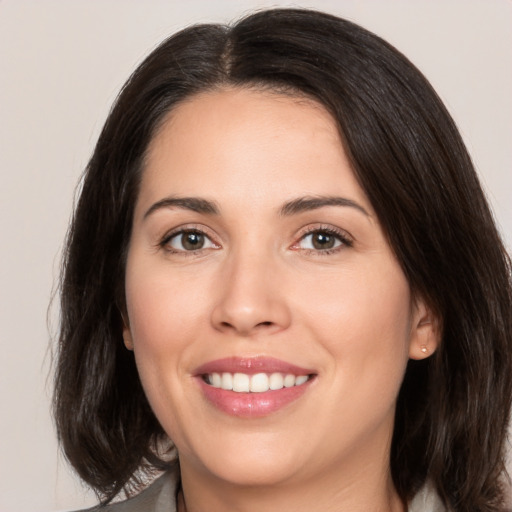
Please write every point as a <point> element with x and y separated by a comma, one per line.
<point>62,64</point>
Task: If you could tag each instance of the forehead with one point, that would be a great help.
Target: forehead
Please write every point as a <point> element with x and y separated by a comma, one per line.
<point>248,143</point>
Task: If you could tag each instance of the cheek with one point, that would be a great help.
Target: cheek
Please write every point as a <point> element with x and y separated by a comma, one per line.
<point>163,308</point>
<point>363,319</point>
<point>164,315</point>
<point>363,324</point>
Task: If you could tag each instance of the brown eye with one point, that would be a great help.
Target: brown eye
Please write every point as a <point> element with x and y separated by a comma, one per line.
<point>189,241</point>
<point>192,241</point>
<point>322,240</point>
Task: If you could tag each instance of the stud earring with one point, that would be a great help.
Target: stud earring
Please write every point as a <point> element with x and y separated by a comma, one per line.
<point>424,349</point>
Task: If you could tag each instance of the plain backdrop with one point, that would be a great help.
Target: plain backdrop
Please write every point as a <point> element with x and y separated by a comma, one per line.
<point>61,66</point>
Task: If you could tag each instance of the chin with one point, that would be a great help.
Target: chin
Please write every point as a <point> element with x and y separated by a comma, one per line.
<point>251,461</point>
<point>260,473</point>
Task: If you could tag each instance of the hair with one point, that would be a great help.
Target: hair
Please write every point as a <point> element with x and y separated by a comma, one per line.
<point>453,407</point>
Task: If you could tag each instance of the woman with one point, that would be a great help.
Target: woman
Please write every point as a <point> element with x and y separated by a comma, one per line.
<point>282,265</point>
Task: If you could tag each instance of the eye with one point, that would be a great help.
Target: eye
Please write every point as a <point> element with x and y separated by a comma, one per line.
<point>320,240</point>
<point>323,240</point>
<point>187,241</point>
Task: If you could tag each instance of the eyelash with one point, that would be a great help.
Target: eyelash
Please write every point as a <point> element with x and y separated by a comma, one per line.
<point>164,243</point>
<point>342,236</point>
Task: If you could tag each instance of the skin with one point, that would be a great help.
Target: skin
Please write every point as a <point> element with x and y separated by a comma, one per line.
<point>258,287</point>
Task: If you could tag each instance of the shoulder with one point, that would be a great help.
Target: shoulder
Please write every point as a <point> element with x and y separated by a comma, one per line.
<point>426,500</point>
<point>160,496</point>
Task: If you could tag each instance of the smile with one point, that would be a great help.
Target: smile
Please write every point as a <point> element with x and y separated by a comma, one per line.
<point>256,383</point>
<point>252,387</point>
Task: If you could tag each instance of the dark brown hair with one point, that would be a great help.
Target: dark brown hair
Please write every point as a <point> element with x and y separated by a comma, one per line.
<point>408,156</point>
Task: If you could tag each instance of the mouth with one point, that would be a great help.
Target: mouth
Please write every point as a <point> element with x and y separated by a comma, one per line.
<point>252,387</point>
<point>256,383</point>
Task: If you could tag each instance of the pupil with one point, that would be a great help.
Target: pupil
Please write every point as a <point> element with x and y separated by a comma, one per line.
<point>323,241</point>
<point>193,241</point>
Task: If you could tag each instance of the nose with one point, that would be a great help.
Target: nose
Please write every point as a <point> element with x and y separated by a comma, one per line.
<point>251,298</point>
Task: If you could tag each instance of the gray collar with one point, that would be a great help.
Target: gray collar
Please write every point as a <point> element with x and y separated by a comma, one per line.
<point>160,496</point>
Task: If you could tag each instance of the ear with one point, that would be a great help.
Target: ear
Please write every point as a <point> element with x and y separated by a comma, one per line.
<point>425,332</point>
<point>127,334</point>
<point>127,337</point>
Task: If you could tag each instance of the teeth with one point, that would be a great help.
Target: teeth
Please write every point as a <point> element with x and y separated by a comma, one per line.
<point>241,383</point>
<point>216,380</point>
<point>289,381</point>
<point>276,381</point>
<point>301,379</point>
<point>226,381</point>
<point>257,383</point>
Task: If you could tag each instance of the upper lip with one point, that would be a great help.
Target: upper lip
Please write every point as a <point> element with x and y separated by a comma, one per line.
<point>250,366</point>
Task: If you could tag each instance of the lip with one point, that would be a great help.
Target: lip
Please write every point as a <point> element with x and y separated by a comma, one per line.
<point>251,365</point>
<point>251,405</point>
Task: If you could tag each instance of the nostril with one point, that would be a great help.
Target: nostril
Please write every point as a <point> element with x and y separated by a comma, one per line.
<point>264,324</point>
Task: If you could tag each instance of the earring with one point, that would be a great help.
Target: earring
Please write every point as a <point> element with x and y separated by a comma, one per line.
<point>424,349</point>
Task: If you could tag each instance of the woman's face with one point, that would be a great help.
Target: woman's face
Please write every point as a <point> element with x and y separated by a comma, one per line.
<point>256,261</point>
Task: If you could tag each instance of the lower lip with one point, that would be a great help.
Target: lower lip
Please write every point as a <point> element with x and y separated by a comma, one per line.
<point>252,405</point>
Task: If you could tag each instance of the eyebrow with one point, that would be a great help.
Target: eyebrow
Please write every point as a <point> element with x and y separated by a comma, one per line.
<point>194,204</point>
<point>304,204</point>
<point>293,207</point>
